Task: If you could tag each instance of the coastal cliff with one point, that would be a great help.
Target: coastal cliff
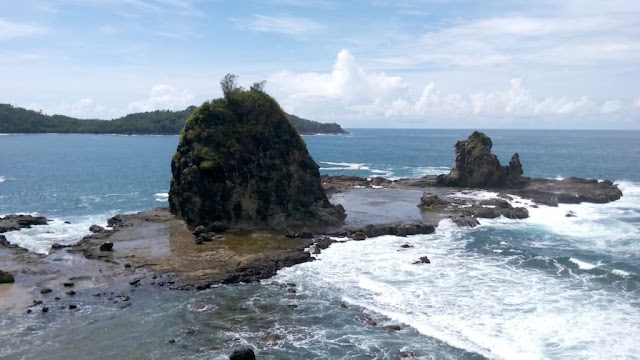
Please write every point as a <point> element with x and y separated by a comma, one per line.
<point>241,162</point>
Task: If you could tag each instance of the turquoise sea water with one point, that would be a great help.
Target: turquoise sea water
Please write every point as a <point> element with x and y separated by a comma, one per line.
<point>548,287</point>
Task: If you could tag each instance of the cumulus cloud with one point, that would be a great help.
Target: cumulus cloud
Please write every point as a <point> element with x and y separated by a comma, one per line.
<point>163,97</point>
<point>349,91</point>
<point>347,83</point>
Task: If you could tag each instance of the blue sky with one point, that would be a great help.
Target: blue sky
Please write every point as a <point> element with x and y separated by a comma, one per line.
<point>407,63</point>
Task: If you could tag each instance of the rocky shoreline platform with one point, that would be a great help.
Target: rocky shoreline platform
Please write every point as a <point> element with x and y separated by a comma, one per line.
<point>162,249</point>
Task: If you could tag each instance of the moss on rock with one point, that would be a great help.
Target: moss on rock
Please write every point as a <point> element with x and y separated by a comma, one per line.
<point>240,161</point>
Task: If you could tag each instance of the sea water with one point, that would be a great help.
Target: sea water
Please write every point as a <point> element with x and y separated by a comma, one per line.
<point>547,287</point>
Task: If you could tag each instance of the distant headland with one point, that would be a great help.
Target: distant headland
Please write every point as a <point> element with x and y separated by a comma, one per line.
<point>17,120</point>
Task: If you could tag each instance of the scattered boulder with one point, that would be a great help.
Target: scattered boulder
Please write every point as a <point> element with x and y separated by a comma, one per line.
<point>45,291</point>
<point>475,166</point>
<point>465,221</point>
<point>6,277</point>
<point>423,260</point>
<point>405,354</point>
<point>392,328</point>
<point>359,236</point>
<point>366,319</point>
<point>270,340</point>
<point>115,221</point>
<point>218,227</point>
<point>199,230</point>
<point>570,214</point>
<point>73,307</point>
<point>68,284</point>
<point>71,293</point>
<point>323,242</point>
<point>406,246</point>
<point>45,309</point>
<point>107,246</point>
<point>429,200</point>
<point>96,229</point>
<point>240,161</point>
<point>242,354</point>
<point>344,305</point>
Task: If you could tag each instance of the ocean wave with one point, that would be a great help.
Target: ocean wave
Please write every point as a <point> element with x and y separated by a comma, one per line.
<point>472,301</point>
<point>161,197</point>
<point>2,179</point>
<point>39,238</point>
<point>345,166</point>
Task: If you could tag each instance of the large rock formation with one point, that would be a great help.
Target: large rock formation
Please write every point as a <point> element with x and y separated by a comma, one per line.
<point>240,161</point>
<point>476,166</point>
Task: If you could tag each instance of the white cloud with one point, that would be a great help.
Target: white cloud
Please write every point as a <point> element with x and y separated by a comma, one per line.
<point>163,97</point>
<point>347,83</point>
<point>10,30</point>
<point>349,91</point>
<point>636,104</point>
<point>611,106</point>
<point>287,25</point>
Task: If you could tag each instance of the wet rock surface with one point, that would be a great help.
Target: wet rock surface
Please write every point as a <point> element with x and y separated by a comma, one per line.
<point>16,222</point>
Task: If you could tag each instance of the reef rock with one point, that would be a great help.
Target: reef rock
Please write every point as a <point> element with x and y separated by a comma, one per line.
<point>241,162</point>
<point>476,166</point>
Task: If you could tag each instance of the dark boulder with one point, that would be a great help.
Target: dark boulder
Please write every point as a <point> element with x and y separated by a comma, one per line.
<point>241,162</point>
<point>107,246</point>
<point>6,277</point>
<point>115,221</point>
<point>199,230</point>
<point>96,229</point>
<point>323,242</point>
<point>476,166</point>
<point>429,200</point>
<point>423,260</point>
<point>570,214</point>
<point>242,354</point>
<point>392,328</point>
<point>217,227</point>
<point>359,236</point>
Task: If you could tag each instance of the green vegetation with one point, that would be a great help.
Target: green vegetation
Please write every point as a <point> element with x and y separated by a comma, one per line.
<point>161,122</point>
<point>19,120</point>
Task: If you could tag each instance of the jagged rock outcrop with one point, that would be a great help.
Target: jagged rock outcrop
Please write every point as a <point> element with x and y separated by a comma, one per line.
<point>242,163</point>
<point>16,222</point>
<point>476,166</point>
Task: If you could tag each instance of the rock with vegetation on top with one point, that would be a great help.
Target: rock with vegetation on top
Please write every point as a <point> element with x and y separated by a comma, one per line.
<point>241,162</point>
<point>476,166</point>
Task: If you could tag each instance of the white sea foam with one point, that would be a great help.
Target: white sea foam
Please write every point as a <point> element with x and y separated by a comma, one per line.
<point>621,272</point>
<point>162,197</point>
<point>473,301</point>
<point>39,238</point>
<point>583,264</point>
<point>2,179</point>
<point>345,166</point>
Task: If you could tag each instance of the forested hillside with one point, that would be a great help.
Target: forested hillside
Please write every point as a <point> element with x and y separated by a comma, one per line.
<point>160,122</point>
